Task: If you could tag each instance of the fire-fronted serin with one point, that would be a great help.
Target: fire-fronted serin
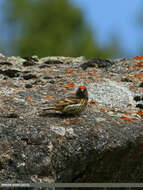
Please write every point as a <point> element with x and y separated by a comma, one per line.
<point>73,104</point>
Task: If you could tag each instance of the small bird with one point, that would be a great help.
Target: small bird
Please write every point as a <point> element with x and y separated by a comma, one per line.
<point>73,104</point>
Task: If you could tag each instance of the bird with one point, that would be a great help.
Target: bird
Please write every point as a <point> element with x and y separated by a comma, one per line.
<point>74,104</point>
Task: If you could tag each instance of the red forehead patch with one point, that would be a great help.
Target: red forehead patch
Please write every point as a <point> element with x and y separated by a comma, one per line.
<point>82,87</point>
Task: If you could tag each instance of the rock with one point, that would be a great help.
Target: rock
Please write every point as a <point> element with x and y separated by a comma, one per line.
<point>103,144</point>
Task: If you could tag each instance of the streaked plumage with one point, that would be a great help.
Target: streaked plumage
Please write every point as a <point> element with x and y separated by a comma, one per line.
<point>72,104</point>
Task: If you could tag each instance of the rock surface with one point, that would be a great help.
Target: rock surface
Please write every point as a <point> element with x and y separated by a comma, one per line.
<point>103,144</point>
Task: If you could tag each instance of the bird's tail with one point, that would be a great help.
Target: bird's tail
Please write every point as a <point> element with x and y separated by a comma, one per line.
<point>50,108</point>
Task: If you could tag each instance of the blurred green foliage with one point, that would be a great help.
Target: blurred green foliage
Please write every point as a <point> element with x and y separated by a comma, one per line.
<point>51,28</point>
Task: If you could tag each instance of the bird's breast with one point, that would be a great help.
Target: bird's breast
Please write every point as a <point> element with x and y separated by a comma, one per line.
<point>75,108</point>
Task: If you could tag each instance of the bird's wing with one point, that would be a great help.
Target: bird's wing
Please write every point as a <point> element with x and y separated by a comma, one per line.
<point>67,101</point>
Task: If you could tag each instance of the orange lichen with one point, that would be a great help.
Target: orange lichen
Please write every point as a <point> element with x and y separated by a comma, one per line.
<point>140,113</point>
<point>47,97</point>
<point>102,110</point>
<point>92,102</point>
<point>69,85</point>
<point>139,64</point>
<point>138,57</point>
<point>127,119</point>
<point>15,88</point>
<point>69,72</point>
<point>30,97</point>
<point>139,75</point>
<point>132,87</point>
<point>83,74</point>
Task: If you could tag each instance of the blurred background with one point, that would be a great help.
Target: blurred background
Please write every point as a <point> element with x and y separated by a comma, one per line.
<point>91,28</point>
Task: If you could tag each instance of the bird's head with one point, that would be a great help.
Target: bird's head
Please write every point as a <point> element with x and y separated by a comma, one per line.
<point>82,92</point>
